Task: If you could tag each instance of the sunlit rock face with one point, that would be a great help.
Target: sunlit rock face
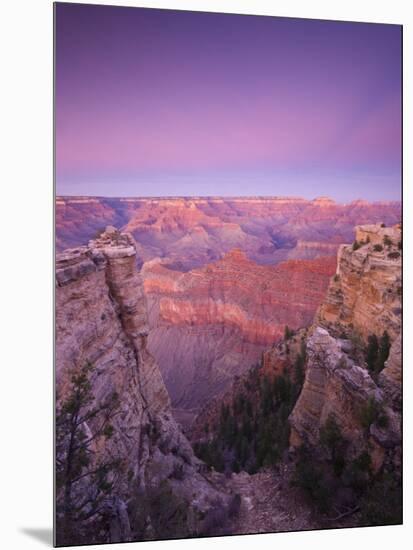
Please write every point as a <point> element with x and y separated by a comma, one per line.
<point>365,295</point>
<point>363,299</point>
<point>212,323</point>
<point>191,231</point>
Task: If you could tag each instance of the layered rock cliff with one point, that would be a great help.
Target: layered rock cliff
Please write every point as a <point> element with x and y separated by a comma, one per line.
<point>193,231</point>
<point>391,376</point>
<point>335,386</point>
<point>212,323</point>
<point>363,299</point>
<point>101,319</point>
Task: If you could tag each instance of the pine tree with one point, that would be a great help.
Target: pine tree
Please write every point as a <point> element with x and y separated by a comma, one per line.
<point>372,352</point>
<point>383,352</point>
<point>288,333</point>
<point>83,480</point>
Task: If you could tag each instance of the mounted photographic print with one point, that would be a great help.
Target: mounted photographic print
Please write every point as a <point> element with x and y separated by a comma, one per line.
<point>228,274</point>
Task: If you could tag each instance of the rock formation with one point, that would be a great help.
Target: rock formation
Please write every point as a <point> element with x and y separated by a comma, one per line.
<point>101,318</point>
<point>193,231</point>
<point>224,315</point>
<point>335,385</point>
<point>363,299</point>
<point>365,295</point>
<point>391,375</point>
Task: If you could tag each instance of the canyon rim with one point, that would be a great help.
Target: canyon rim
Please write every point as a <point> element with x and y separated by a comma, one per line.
<point>228,310</point>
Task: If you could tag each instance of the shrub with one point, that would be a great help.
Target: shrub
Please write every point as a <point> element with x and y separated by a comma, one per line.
<point>234,506</point>
<point>383,225</point>
<point>399,245</point>
<point>178,472</point>
<point>309,476</point>
<point>253,431</point>
<point>373,413</point>
<point>387,240</point>
<point>215,518</point>
<point>377,247</point>
<point>336,278</point>
<point>393,255</point>
<point>356,340</point>
<point>330,434</point>
<point>357,473</point>
<point>372,352</point>
<point>332,438</point>
<point>235,466</point>
<point>382,502</point>
<point>377,352</point>
<point>168,512</point>
<point>356,245</point>
<point>299,363</point>
<point>384,350</point>
<point>78,469</point>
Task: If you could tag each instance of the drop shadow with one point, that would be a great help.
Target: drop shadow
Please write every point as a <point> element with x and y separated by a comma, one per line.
<point>44,535</point>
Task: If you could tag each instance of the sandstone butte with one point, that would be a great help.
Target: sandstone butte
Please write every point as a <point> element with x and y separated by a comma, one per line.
<point>101,318</point>
<point>211,323</point>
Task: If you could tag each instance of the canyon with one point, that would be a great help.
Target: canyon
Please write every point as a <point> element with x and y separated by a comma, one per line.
<point>222,277</point>
<point>193,231</point>
<point>363,299</point>
<point>186,345</point>
<point>344,444</point>
<point>224,315</point>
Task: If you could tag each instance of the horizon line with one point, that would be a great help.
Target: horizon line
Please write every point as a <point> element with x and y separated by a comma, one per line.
<point>223,197</point>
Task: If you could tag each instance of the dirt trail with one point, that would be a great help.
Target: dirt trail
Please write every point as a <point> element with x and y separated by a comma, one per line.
<point>269,504</point>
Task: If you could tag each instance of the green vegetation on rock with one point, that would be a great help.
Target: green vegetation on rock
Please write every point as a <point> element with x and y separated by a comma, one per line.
<point>253,430</point>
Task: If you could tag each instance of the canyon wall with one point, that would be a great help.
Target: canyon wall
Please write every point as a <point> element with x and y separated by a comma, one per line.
<point>193,231</point>
<point>335,386</point>
<point>101,319</point>
<point>365,295</point>
<point>363,299</point>
<point>223,276</point>
<point>210,324</point>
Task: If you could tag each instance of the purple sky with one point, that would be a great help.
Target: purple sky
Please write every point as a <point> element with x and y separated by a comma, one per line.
<point>159,102</point>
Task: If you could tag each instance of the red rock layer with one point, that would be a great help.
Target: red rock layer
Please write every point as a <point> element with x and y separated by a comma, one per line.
<point>235,291</point>
<point>210,324</point>
<point>195,231</point>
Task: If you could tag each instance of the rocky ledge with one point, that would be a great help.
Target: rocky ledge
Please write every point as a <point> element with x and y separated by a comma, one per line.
<point>363,304</point>
<point>101,319</point>
<point>335,386</point>
<point>364,297</point>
